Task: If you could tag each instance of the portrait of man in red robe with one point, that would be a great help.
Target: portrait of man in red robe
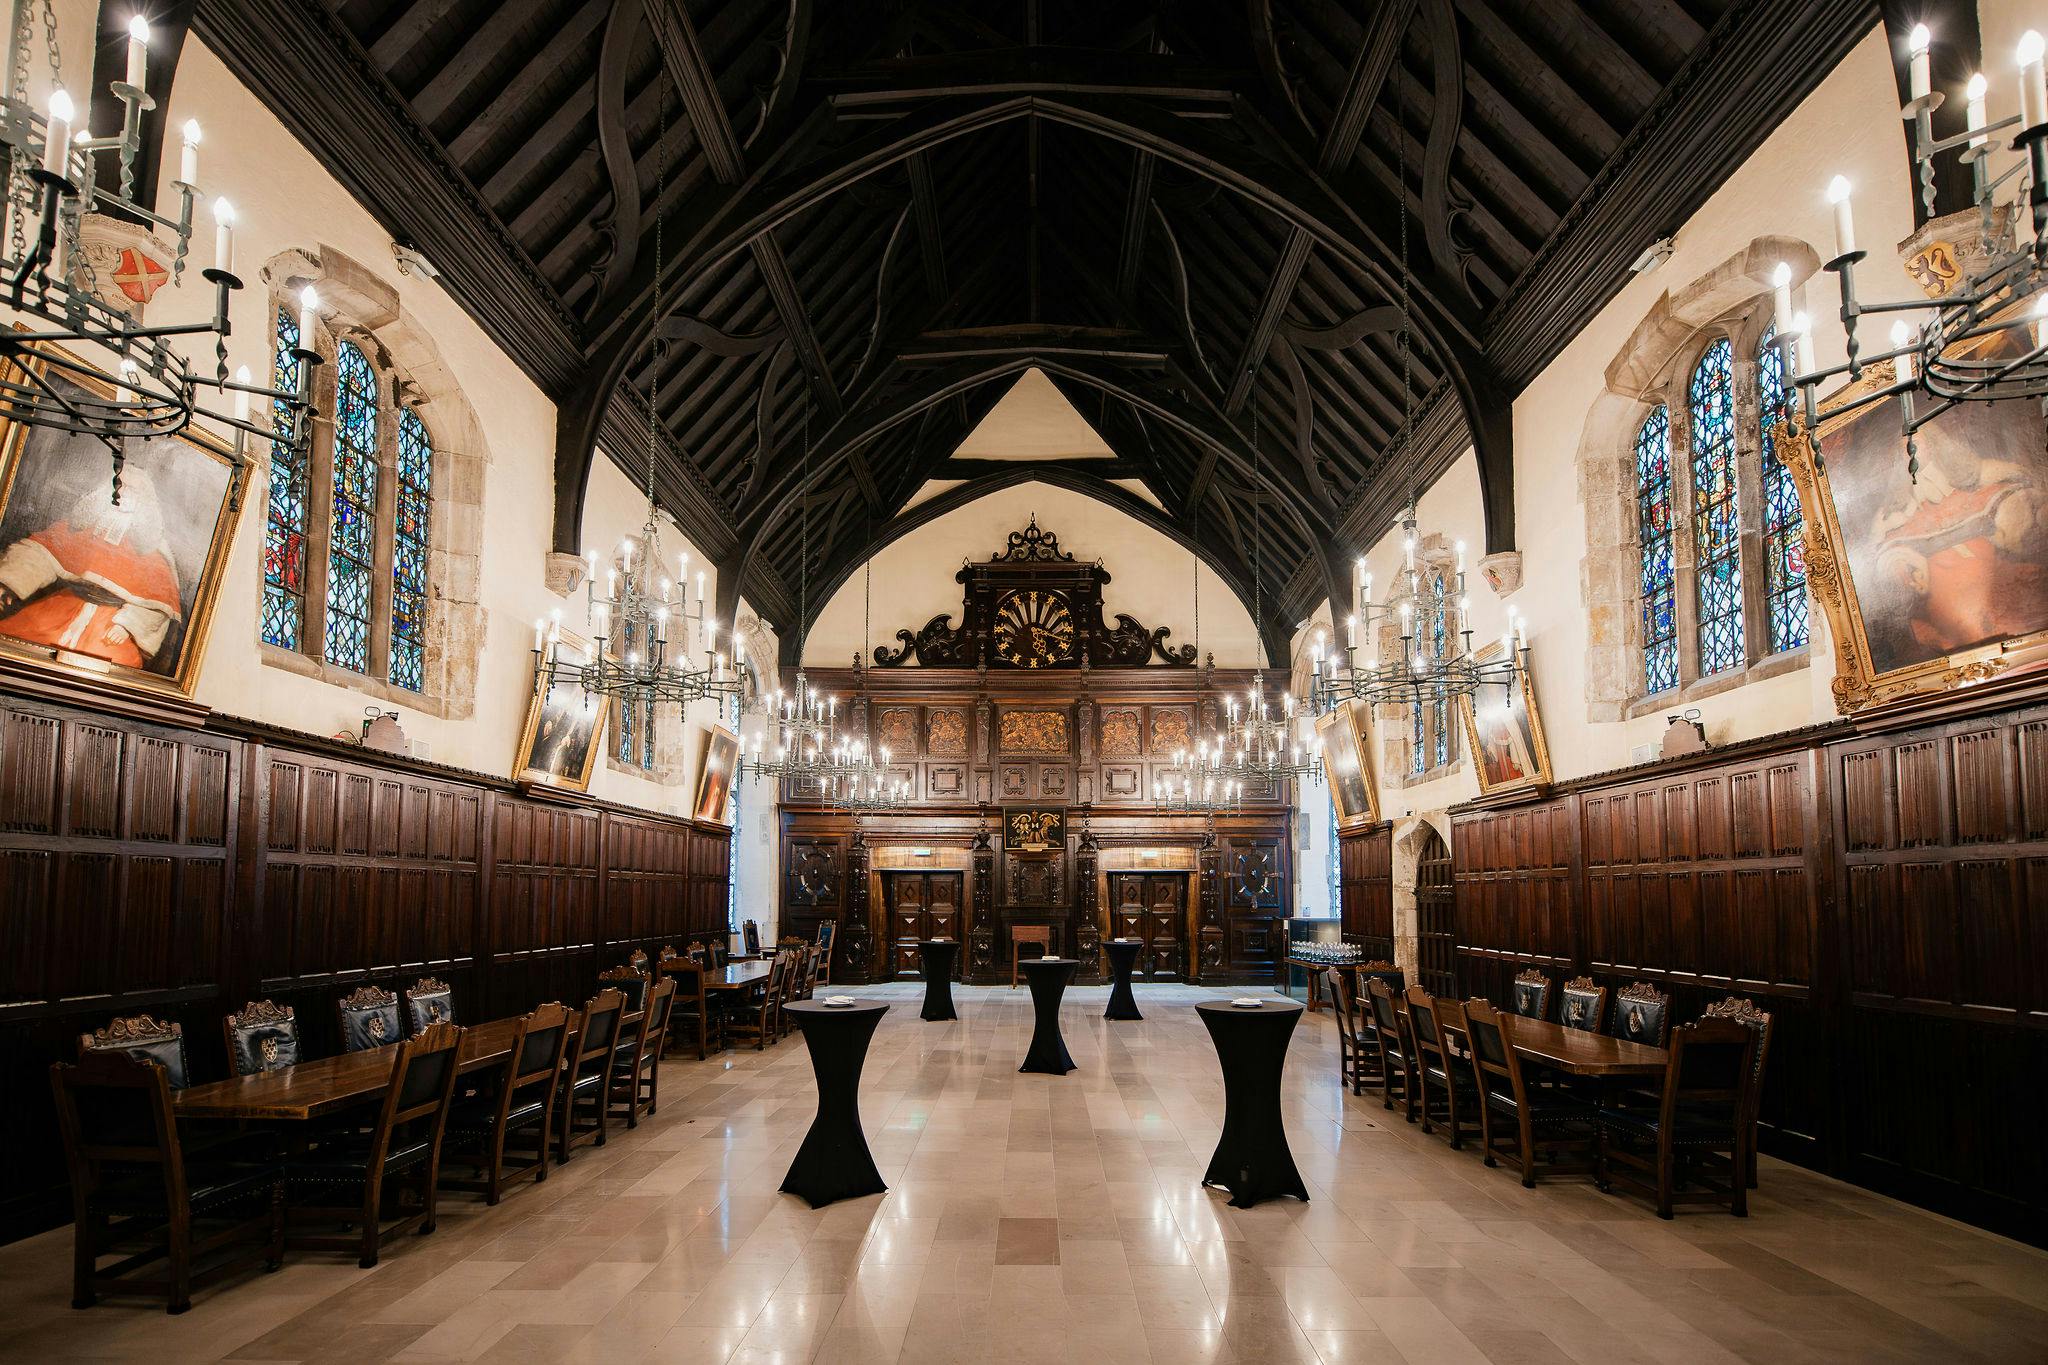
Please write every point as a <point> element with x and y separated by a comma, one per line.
<point>99,581</point>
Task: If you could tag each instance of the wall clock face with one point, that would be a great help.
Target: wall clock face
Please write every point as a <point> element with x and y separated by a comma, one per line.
<point>1034,629</point>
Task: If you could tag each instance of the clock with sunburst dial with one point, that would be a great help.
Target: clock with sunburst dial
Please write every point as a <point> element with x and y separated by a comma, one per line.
<point>1034,629</point>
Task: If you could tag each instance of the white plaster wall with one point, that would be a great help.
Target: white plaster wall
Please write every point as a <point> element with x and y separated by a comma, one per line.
<point>1150,577</point>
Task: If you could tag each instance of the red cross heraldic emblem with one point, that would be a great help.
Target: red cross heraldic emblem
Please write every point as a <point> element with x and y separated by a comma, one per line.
<point>139,276</point>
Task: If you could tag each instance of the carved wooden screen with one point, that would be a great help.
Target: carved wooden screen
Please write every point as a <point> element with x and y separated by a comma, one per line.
<point>1436,917</point>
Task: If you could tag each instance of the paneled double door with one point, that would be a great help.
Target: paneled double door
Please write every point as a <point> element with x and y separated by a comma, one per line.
<point>1152,907</point>
<point>920,905</point>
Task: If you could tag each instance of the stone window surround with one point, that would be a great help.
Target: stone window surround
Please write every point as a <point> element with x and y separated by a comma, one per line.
<point>358,306</point>
<point>1655,366</point>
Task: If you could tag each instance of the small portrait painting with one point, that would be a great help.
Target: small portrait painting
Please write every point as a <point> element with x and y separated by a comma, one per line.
<point>1343,734</point>
<point>560,743</point>
<point>714,782</point>
<point>1508,748</point>
<point>117,588</point>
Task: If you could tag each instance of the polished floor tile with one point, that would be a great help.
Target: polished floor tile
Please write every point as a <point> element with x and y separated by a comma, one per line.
<point>1061,1219</point>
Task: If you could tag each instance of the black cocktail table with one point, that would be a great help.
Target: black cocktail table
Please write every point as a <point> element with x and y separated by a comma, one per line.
<point>834,1162</point>
<point>1048,977</point>
<point>1252,1160</point>
<point>935,958</point>
<point>1123,956</point>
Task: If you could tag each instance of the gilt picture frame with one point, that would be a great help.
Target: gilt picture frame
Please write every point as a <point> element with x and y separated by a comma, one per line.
<point>714,779</point>
<point>104,593</point>
<point>1345,736</point>
<point>1924,581</point>
<point>563,734</point>
<point>1504,729</point>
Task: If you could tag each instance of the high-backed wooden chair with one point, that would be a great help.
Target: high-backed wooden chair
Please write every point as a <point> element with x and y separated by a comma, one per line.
<point>1020,934</point>
<point>827,931</point>
<point>585,1099</point>
<point>512,1116</point>
<point>1693,1148</point>
<point>1518,1120</point>
<point>427,1002</point>
<point>696,1012</point>
<point>359,1178</point>
<point>135,1195</point>
<point>1397,1053</point>
<point>1584,1004</point>
<point>629,981</point>
<point>1441,1079</point>
<point>1745,1012</point>
<point>263,1036</point>
<point>369,1018</point>
<point>1532,995</point>
<point>1642,1014</point>
<point>144,1038</point>
<point>1358,1045</point>
<point>637,959</point>
<point>636,1083</point>
<point>753,1014</point>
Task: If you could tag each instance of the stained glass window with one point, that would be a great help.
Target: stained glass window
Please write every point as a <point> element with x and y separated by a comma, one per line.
<point>284,535</point>
<point>352,534</point>
<point>411,525</point>
<point>1653,534</point>
<point>1716,541</point>
<point>636,717</point>
<point>1418,739</point>
<point>1784,524</point>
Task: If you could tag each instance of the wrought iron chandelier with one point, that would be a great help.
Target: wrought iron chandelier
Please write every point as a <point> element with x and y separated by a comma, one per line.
<point>1984,340</point>
<point>650,632</point>
<point>860,778</point>
<point>130,384</point>
<point>1261,739</point>
<point>1198,784</point>
<point>1442,666</point>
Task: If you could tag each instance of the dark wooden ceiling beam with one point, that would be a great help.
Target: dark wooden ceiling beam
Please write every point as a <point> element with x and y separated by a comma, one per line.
<point>1110,343</point>
<point>924,202</point>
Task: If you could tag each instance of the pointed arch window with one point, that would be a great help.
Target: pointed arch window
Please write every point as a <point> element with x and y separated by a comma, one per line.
<point>1784,547</point>
<point>411,525</point>
<point>284,535</point>
<point>1653,530</point>
<point>1717,547</point>
<point>352,530</point>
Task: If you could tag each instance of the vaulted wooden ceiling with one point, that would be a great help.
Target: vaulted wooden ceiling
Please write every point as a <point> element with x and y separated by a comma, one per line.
<point>871,217</point>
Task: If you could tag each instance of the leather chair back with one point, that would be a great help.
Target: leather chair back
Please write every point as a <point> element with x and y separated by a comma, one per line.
<point>146,1039</point>
<point>264,1036</point>
<point>630,982</point>
<point>369,1018</point>
<point>1642,1014</point>
<point>1532,995</point>
<point>1584,1001</point>
<point>429,1002</point>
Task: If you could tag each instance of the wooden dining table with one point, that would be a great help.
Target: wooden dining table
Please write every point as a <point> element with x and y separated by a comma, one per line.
<point>326,1085</point>
<point>1579,1053</point>
<point>737,976</point>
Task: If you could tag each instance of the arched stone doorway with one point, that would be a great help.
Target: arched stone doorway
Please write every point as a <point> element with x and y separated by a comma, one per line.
<point>1418,838</point>
<point>1436,916</point>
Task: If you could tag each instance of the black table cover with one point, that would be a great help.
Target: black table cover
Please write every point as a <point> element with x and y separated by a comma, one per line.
<point>1252,1160</point>
<point>1123,956</point>
<point>1048,977</point>
<point>935,957</point>
<point>834,1162</point>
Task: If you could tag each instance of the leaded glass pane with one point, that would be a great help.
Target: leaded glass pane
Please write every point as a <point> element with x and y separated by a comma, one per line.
<point>1418,740</point>
<point>284,532</point>
<point>1440,721</point>
<point>1784,523</point>
<point>414,513</point>
<point>352,539</point>
<point>1718,581</point>
<point>1653,534</point>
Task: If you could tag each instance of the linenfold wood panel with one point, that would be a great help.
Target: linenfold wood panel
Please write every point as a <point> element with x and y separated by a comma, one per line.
<point>180,871</point>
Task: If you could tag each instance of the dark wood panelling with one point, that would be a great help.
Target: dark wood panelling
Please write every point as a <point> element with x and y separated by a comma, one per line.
<point>1366,889</point>
<point>1882,889</point>
<point>180,871</point>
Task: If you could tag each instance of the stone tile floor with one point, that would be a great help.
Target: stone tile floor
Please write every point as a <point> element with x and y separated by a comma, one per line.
<point>1042,1219</point>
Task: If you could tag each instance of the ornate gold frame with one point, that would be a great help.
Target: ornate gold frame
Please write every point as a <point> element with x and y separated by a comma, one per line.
<point>1543,776</point>
<point>525,771</point>
<point>1857,684</point>
<point>717,739</point>
<point>1355,721</point>
<point>14,437</point>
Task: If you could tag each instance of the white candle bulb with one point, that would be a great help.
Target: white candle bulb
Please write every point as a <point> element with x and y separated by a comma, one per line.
<point>309,312</point>
<point>1978,85</point>
<point>2033,85</point>
<point>539,633</point>
<point>700,585</point>
<point>188,160</point>
<point>241,395</point>
<point>57,145</point>
<point>1845,222</point>
<point>1781,298</point>
<point>1351,624</point>
<point>1917,61</point>
<point>138,52</point>
<point>1902,337</point>
<point>1461,556</point>
<point>224,236</point>
<point>1803,353</point>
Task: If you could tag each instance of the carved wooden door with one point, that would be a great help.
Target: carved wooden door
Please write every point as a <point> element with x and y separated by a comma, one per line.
<point>920,905</point>
<point>1436,917</point>
<point>1152,908</point>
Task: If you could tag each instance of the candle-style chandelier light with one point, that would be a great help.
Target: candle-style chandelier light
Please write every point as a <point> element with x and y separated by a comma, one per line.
<point>1434,663</point>
<point>1983,339</point>
<point>1197,783</point>
<point>128,382</point>
<point>655,643</point>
